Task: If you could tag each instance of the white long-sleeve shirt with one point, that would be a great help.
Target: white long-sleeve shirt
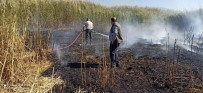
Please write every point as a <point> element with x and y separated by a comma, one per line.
<point>88,25</point>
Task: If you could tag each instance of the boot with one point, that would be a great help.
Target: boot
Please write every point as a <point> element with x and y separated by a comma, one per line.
<point>113,65</point>
<point>117,65</point>
<point>90,42</point>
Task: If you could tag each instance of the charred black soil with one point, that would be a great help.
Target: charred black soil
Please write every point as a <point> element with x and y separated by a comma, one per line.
<point>88,67</point>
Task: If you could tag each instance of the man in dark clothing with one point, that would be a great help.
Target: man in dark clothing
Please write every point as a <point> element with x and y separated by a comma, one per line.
<point>115,38</point>
<point>88,27</point>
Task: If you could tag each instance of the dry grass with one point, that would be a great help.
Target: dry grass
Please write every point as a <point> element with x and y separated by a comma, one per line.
<point>23,56</point>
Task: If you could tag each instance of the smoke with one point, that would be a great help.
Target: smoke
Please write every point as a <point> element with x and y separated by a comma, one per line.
<point>60,40</point>
<point>164,32</point>
<point>58,52</point>
<point>155,32</point>
<point>196,22</point>
<point>142,33</point>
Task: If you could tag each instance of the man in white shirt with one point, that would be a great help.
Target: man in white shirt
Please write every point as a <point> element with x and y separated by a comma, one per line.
<point>88,27</point>
<point>115,39</point>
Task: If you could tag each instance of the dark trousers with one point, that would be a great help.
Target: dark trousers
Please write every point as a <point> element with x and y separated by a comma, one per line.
<point>114,53</point>
<point>88,34</point>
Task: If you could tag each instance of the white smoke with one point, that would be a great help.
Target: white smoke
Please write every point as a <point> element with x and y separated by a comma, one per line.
<point>160,32</point>
<point>196,22</point>
<point>60,55</point>
<point>58,52</point>
<point>142,33</point>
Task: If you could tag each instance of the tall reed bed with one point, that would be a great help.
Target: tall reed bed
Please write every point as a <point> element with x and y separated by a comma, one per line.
<point>12,43</point>
<point>19,58</point>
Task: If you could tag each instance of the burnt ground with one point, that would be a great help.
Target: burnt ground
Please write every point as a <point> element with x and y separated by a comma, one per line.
<point>144,69</point>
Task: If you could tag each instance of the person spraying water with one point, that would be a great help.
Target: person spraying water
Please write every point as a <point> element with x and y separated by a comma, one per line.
<point>88,28</point>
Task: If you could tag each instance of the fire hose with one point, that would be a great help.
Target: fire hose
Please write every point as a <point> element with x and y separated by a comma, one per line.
<point>75,39</point>
<point>72,42</point>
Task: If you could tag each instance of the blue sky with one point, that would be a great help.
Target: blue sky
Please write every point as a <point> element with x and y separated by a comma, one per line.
<point>181,5</point>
